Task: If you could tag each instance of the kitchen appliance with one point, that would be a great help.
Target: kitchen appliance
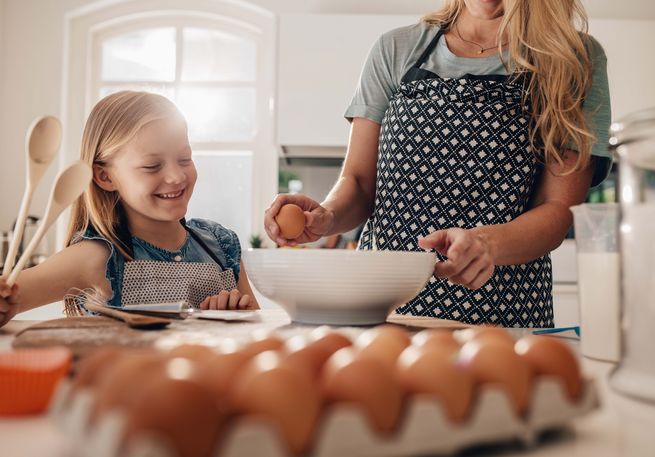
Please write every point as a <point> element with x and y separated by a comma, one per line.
<point>633,141</point>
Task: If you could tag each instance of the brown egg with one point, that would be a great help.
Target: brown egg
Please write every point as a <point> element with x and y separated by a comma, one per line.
<point>548,356</point>
<point>195,352</point>
<point>218,373</point>
<point>93,366</point>
<point>491,361</point>
<point>486,332</point>
<point>440,339</point>
<point>181,411</point>
<point>122,384</point>
<point>300,351</point>
<point>369,383</point>
<point>384,343</point>
<point>329,339</point>
<point>288,397</point>
<point>261,341</point>
<point>291,220</point>
<point>432,370</point>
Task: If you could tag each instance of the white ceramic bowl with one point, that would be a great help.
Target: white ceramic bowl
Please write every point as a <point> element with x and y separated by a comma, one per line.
<point>336,286</point>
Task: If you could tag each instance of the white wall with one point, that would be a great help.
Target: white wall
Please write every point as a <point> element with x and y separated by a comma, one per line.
<point>31,47</point>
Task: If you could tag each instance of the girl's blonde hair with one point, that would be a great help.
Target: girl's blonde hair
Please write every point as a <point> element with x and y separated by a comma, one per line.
<point>548,43</point>
<point>114,121</point>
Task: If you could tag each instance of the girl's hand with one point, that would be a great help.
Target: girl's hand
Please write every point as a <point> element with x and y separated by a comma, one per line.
<point>9,299</point>
<point>470,260</point>
<point>228,300</point>
<point>318,220</point>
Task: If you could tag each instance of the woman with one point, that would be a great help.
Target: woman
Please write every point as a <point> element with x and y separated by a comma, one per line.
<point>472,133</point>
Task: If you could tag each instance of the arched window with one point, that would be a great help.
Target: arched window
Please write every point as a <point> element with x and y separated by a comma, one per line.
<point>216,66</point>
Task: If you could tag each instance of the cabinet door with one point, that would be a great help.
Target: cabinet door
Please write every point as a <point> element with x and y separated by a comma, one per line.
<point>320,59</point>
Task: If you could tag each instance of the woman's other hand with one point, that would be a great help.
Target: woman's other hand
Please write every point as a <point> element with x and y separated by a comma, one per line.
<point>470,260</point>
<point>318,220</point>
<point>228,299</point>
<point>9,299</point>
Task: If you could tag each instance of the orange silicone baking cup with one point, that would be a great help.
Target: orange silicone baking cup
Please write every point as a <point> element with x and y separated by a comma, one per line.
<point>28,378</point>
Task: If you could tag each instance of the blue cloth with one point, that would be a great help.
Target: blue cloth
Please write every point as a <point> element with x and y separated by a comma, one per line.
<point>223,242</point>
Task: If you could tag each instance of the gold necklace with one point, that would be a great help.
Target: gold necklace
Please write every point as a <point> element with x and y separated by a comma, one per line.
<point>482,49</point>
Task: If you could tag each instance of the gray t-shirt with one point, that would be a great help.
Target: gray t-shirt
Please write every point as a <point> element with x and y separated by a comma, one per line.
<point>396,51</point>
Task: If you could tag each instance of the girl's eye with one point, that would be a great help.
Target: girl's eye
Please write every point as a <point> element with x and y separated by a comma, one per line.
<point>185,161</point>
<point>151,167</point>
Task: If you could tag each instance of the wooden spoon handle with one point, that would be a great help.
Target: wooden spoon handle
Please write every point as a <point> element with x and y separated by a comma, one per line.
<point>133,320</point>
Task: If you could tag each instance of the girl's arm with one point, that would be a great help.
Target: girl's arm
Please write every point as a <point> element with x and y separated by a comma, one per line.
<point>472,254</point>
<point>243,285</point>
<point>80,265</point>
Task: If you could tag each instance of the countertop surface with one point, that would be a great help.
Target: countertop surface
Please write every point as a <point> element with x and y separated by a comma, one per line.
<point>620,427</point>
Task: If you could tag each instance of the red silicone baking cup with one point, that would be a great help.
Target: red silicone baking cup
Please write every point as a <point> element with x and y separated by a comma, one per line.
<point>28,378</point>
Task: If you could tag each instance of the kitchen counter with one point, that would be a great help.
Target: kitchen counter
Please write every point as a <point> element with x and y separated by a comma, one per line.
<point>621,427</point>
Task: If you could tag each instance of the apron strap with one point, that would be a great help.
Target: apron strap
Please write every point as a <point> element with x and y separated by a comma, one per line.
<point>416,72</point>
<point>202,244</point>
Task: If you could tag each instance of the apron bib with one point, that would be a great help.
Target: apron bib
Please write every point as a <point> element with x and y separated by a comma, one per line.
<point>456,153</point>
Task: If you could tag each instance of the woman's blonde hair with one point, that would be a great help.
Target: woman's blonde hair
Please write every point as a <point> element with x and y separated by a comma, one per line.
<point>548,43</point>
<point>114,121</point>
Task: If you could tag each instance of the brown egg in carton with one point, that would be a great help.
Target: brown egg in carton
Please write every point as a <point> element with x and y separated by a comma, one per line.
<point>424,425</point>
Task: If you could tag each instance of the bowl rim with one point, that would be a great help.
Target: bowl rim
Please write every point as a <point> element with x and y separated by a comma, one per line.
<point>345,252</point>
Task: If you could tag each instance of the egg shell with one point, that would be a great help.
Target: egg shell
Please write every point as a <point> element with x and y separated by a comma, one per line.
<point>432,370</point>
<point>384,343</point>
<point>300,351</point>
<point>289,398</point>
<point>491,361</point>
<point>180,411</point>
<point>262,341</point>
<point>368,383</point>
<point>330,339</point>
<point>548,356</point>
<point>439,339</point>
<point>486,332</point>
<point>217,374</point>
<point>291,220</point>
<point>92,367</point>
<point>195,352</point>
<point>123,383</point>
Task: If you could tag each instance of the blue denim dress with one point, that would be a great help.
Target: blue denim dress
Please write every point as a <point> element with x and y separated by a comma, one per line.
<point>160,272</point>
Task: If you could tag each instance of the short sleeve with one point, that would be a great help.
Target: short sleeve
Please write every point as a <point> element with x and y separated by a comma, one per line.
<point>228,242</point>
<point>598,113</point>
<point>376,83</point>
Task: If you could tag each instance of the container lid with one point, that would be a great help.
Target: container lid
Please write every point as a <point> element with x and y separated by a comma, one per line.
<point>633,138</point>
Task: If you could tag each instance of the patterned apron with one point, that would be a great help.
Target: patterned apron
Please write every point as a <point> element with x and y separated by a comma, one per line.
<point>456,153</point>
<point>151,281</point>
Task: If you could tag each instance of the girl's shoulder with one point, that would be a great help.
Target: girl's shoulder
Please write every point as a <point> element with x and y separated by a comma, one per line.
<point>227,239</point>
<point>594,48</point>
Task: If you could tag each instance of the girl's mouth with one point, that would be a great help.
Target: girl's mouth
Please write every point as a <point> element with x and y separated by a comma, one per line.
<point>171,195</point>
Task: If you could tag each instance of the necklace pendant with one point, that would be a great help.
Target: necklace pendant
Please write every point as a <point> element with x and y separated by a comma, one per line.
<point>480,51</point>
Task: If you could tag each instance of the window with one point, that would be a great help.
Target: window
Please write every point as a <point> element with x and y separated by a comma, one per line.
<point>210,71</point>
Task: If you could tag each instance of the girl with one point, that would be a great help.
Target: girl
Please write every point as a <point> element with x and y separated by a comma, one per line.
<point>473,132</point>
<point>128,239</point>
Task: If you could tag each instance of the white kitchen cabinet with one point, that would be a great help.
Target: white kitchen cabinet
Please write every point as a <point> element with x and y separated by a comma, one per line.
<point>320,60</point>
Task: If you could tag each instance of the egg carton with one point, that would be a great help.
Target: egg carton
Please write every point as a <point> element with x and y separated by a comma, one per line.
<point>344,430</point>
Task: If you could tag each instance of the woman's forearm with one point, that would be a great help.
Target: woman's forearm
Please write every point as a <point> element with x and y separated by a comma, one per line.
<point>529,236</point>
<point>349,204</point>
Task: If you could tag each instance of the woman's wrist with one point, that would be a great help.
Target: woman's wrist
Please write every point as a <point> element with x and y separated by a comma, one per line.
<point>486,235</point>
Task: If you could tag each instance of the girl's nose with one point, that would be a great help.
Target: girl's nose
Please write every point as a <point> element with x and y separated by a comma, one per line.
<point>175,175</point>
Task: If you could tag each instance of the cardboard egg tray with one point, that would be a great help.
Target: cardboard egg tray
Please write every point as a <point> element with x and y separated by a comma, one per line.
<point>343,429</point>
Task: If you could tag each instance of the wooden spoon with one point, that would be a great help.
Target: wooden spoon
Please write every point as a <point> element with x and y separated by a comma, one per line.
<point>69,185</point>
<point>133,320</point>
<point>41,145</point>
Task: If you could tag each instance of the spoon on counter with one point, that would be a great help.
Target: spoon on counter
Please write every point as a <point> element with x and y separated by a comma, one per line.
<point>132,320</point>
<point>41,145</point>
<point>69,185</point>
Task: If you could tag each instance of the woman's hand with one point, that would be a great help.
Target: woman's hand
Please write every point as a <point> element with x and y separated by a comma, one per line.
<point>9,299</point>
<point>318,220</point>
<point>228,300</point>
<point>470,260</point>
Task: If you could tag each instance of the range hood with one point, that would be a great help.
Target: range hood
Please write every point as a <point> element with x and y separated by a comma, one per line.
<point>319,156</point>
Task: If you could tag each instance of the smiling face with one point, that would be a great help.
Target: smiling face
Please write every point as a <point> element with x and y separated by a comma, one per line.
<point>154,173</point>
<point>485,9</point>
